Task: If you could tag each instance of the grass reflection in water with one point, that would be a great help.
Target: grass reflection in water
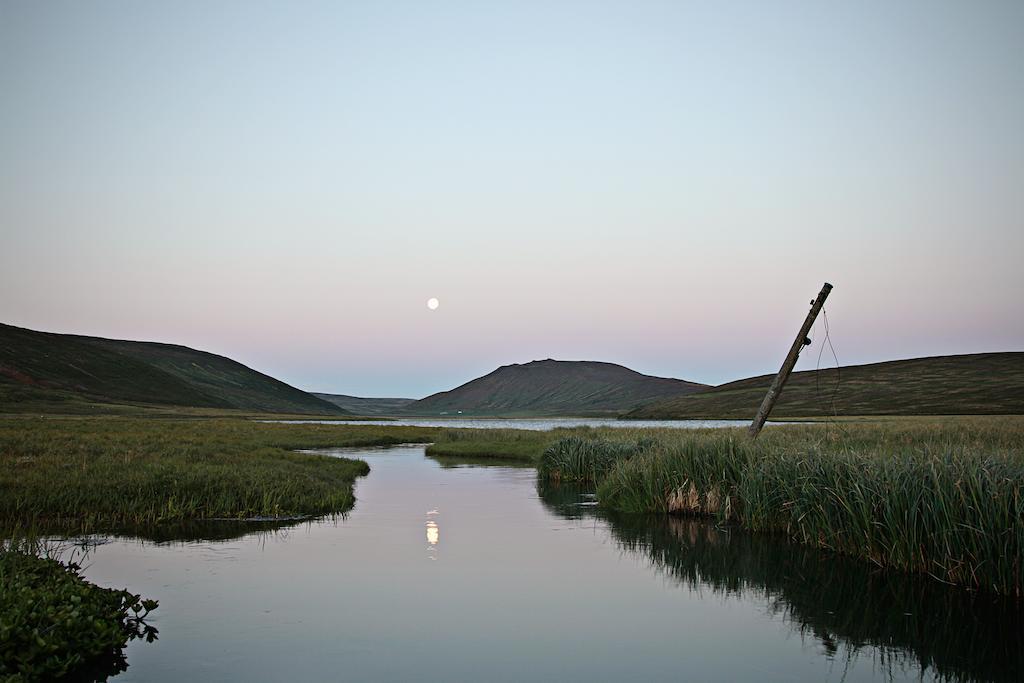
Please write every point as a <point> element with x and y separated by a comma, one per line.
<point>845,605</point>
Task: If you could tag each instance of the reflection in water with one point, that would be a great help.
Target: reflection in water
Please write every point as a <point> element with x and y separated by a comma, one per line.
<point>196,530</point>
<point>558,594</point>
<point>433,535</point>
<point>450,462</point>
<point>847,606</point>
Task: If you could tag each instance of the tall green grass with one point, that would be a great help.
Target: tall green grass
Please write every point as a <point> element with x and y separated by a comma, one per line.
<point>586,459</point>
<point>696,474</point>
<point>945,500</point>
<point>954,515</point>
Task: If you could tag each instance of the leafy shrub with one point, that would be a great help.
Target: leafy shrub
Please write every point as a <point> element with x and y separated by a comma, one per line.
<point>54,623</point>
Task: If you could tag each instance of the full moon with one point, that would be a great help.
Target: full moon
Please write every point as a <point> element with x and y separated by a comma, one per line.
<point>433,303</point>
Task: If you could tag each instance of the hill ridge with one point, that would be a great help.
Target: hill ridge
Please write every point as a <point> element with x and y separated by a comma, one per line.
<point>365,405</point>
<point>973,383</point>
<point>553,387</point>
<point>55,367</point>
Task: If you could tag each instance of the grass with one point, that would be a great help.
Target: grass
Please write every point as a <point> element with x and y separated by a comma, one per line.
<point>501,444</point>
<point>941,498</point>
<point>586,460</point>
<point>55,624</point>
<point>158,476</point>
<point>694,474</point>
<point>528,445</point>
<point>76,475</point>
<point>938,497</point>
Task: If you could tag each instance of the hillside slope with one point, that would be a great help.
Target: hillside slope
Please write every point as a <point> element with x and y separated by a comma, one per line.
<point>550,387</point>
<point>43,366</point>
<point>366,406</point>
<point>974,384</point>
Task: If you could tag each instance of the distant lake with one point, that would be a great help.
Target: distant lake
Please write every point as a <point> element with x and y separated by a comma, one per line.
<point>535,424</point>
<point>447,572</point>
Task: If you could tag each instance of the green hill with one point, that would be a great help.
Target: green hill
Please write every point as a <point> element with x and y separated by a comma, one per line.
<point>551,387</point>
<point>975,384</point>
<point>42,367</point>
<point>367,406</point>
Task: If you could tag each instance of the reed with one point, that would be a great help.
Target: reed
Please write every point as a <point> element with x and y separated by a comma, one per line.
<point>950,513</point>
<point>943,499</point>
<point>586,459</point>
<point>695,474</point>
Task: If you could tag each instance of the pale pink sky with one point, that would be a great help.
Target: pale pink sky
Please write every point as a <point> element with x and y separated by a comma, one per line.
<point>664,186</point>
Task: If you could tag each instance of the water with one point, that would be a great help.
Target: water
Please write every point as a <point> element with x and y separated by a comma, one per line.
<point>456,573</point>
<point>534,424</point>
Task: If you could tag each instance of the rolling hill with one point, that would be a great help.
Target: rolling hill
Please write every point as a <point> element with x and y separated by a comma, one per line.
<point>974,384</point>
<point>367,406</point>
<point>551,387</point>
<point>62,368</point>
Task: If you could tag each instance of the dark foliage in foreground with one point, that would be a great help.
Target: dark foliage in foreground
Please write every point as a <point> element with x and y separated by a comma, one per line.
<point>56,625</point>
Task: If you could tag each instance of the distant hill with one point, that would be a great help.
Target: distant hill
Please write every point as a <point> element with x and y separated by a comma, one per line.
<point>46,367</point>
<point>975,384</point>
<point>367,406</point>
<point>551,387</point>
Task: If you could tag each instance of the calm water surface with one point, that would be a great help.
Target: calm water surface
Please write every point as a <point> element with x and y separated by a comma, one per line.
<point>445,573</point>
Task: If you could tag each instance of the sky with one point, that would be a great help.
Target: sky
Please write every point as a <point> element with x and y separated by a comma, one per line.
<point>664,185</point>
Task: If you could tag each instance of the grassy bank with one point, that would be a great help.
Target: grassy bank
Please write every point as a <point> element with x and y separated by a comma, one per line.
<point>943,498</point>
<point>55,624</point>
<point>500,444</point>
<point>77,475</point>
<point>527,445</point>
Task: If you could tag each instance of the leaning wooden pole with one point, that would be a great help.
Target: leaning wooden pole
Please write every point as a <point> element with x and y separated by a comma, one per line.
<point>787,365</point>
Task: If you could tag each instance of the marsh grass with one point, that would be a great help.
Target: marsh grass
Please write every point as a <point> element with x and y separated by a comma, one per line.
<point>79,475</point>
<point>696,474</point>
<point>529,445</point>
<point>501,444</point>
<point>943,499</point>
<point>586,459</point>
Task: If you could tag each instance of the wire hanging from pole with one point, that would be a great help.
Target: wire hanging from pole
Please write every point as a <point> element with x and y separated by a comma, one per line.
<point>833,418</point>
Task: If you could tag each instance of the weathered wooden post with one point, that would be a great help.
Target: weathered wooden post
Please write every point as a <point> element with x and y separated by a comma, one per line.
<point>787,365</point>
